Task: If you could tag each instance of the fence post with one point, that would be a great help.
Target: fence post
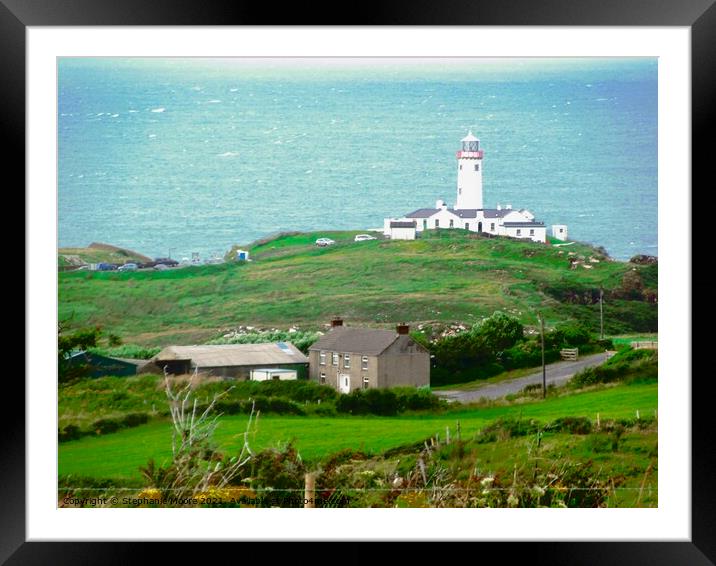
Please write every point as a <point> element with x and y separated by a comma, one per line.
<point>308,498</point>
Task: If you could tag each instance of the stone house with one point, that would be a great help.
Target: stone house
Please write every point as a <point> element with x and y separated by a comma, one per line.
<point>348,358</point>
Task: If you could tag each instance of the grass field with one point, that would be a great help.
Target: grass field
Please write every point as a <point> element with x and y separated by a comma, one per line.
<point>120,454</point>
<point>446,276</point>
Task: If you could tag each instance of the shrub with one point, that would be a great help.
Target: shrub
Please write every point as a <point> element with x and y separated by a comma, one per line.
<point>70,432</point>
<point>368,401</point>
<point>106,426</point>
<point>627,365</point>
<point>280,471</point>
<point>135,419</point>
<point>278,405</point>
<point>572,425</point>
<point>574,334</point>
<point>502,429</point>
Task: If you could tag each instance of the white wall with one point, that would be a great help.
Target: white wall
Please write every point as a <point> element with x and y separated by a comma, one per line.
<point>560,235</point>
<point>402,233</point>
<point>470,181</point>
<point>540,234</point>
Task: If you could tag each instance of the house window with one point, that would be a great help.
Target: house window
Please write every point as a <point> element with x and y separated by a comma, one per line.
<point>461,167</point>
<point>364,362</point>
<point>437,223</point>
<point>492,226</point>
<point>366,383</point>
<point>459,190</point>
<point>323,378</point>
<point>451,222</point>
<point>561,230</point>
<point>467,225</point>
<point>532,232</point>
<point>519,232</point>
<point>477,166</point>
<point>322,358</point>
<point>347,361</point>
<point>335,359</point>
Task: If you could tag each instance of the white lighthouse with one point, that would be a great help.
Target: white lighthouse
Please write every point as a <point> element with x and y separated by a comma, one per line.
<point>469,174</point>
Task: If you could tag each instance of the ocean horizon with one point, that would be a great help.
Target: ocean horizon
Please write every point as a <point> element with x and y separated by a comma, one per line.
<point>181,156</point>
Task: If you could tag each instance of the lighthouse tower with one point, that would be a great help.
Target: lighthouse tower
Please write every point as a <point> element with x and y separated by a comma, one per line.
<point>469,174</point>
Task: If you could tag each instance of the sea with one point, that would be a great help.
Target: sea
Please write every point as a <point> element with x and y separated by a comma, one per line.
<point>170,157</point>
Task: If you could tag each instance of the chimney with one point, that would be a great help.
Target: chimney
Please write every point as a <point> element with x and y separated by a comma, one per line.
<point>499,206</point>
<point>403,328</point>
<point>337,321</point>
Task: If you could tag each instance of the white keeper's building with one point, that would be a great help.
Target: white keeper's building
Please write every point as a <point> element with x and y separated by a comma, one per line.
<point>468,212</point>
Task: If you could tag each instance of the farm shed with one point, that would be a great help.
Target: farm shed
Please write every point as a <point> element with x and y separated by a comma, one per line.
<point>99,366</point>
<point>234,361</point>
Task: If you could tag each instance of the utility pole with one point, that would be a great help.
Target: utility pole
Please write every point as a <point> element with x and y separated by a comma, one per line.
<point>544,369</point>
<point>601,314</point>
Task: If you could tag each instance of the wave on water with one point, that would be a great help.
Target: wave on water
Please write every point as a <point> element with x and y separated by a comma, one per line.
<point>228,154</point>
<point>214,101</point>
<point>158,109</point>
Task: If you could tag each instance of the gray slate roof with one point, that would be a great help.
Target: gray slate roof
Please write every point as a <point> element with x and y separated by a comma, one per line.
<point>368,341</point>
<point>465,212</point>
<point>227,355</point>
<point>403,224</point>
<point>494,213</point>
<point>428,212</point>
<point>422,213</point>
<point>524,224</point>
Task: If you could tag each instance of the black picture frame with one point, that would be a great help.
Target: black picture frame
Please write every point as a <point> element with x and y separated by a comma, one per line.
<point>698,15</point>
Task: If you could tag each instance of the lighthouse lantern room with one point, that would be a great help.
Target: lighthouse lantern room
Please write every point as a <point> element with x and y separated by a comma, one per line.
<point>469,174</point>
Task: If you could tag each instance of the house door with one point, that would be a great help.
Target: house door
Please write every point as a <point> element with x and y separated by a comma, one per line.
<point>479,226</point>
<point>344,383</point>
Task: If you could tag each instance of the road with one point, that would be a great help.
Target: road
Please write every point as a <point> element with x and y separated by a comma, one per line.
<point>558,373</point>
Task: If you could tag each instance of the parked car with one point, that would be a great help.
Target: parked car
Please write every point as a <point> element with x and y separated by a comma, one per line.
<point>161,266</point>
<point>322,242</point>
<point>363,237</point>
<point>169,262</point>
<point>127,267</point>
<point>106,267</point>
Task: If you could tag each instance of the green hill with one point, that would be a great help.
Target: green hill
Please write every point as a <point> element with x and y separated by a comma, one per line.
<point>71,258</point>
<point>446,276</point>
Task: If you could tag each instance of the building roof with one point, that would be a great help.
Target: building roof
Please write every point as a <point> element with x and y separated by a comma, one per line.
<point>423,213</point>
<point>494,213</point>
<point>464,212</point>
<point>428,212</point>
<point>524,224</point>
<point>227,355</point>
<point>356,340</point>
<point>469,137</point>
<point>399,224</point>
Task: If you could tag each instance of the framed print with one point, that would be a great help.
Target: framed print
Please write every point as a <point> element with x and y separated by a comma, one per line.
<point>401,277</point>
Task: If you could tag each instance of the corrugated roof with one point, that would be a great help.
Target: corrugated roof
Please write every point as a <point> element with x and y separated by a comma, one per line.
<point>227,355</point>
<point>356,340</point>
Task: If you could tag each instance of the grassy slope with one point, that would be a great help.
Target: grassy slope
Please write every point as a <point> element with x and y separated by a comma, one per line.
<point>448,276</point>
<point>97,253</point>
<point>119,455</point>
